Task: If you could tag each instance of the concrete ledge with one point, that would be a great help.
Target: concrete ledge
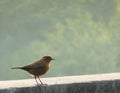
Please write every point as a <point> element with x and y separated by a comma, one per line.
<point>99,83</point>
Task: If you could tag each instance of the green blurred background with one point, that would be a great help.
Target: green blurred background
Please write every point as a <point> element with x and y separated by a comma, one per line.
<point>82,35</point>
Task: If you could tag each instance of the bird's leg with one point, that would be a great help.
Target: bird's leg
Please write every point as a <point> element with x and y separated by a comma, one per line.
<point>36,80</point>
<point>40,81</point>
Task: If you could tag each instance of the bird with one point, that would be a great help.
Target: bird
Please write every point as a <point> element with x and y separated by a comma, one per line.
<point>37,68</point>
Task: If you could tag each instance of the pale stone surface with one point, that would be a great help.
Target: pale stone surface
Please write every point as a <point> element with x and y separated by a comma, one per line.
<point>62,84</point>
<point>60,80</point>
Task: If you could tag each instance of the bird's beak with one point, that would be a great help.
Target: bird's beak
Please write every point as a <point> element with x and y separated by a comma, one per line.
<point>53,59</point>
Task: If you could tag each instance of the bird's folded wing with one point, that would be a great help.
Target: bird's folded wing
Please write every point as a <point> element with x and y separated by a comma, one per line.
<point>34,66</point>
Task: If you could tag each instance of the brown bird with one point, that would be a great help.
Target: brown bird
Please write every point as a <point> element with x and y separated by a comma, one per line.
<point>38,67</point>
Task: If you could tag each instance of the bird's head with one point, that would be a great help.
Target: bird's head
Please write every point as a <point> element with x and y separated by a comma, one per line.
<point>47,58</point>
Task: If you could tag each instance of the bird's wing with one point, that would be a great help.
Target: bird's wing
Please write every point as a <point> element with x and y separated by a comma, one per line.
<point>34,66</point>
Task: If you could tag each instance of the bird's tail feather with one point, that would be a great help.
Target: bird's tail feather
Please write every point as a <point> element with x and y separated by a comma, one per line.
<point>16,68</point>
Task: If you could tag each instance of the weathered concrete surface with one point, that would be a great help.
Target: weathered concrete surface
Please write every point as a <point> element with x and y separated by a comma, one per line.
<point>99,83</point>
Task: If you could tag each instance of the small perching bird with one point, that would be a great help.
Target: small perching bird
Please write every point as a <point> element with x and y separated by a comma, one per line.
<point>38,67</point>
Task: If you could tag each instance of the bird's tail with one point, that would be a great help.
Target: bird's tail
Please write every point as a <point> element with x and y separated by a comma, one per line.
<point>16,68</point>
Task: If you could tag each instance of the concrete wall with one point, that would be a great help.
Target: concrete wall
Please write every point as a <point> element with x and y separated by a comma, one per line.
<point>100,83</point>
